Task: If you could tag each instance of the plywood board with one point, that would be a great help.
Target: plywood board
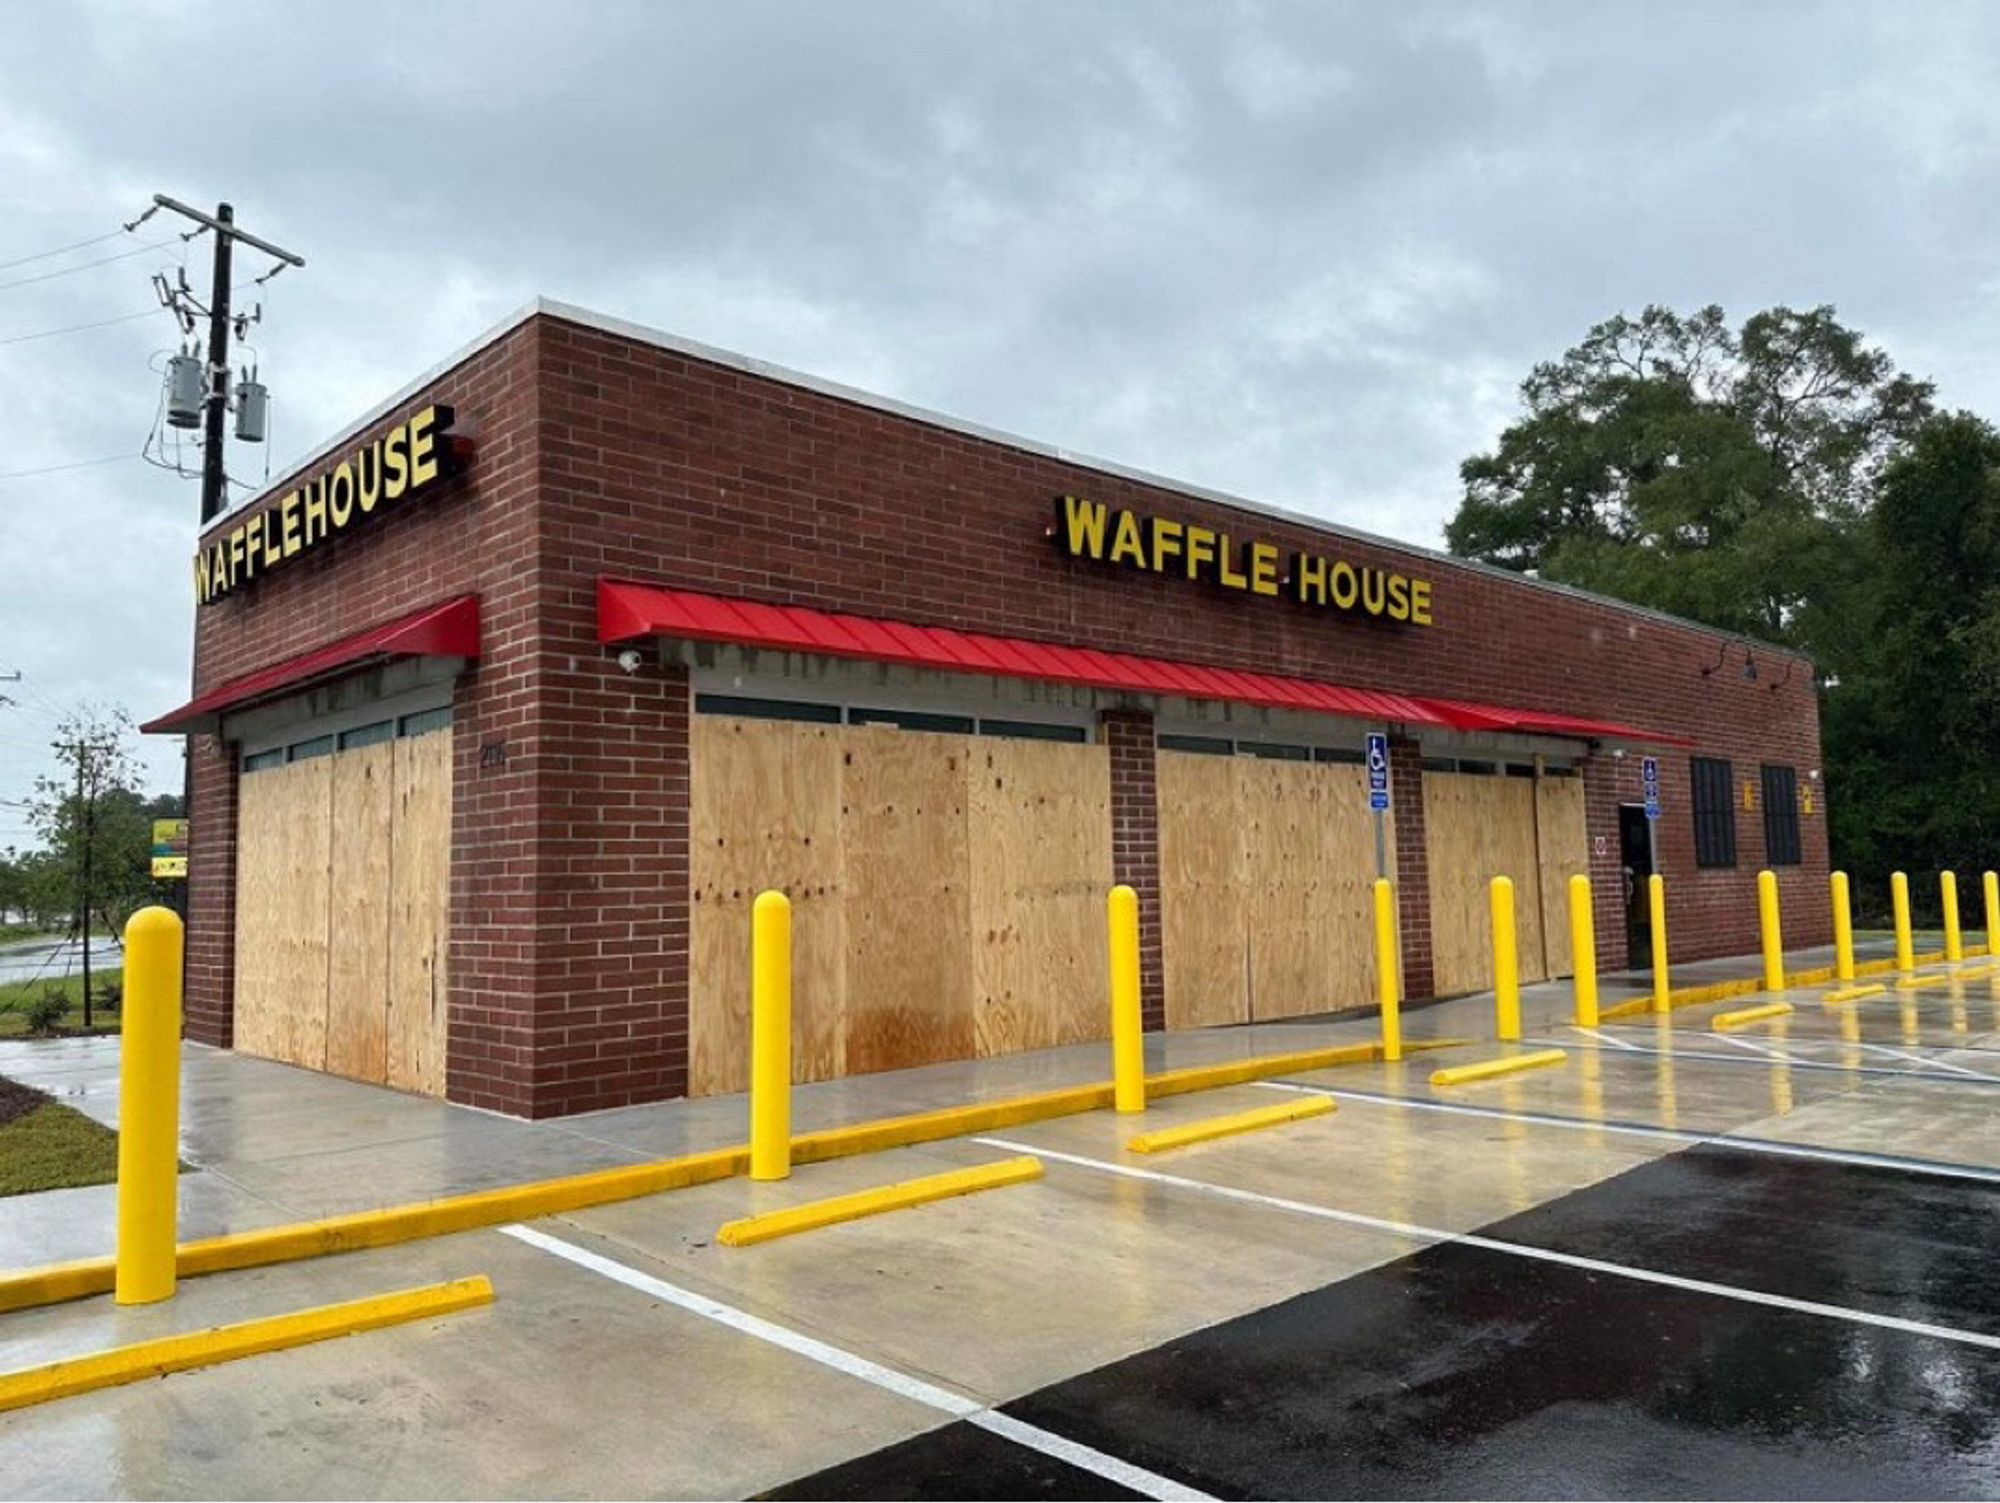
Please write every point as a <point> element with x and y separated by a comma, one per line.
<point>1564,849</point>
<point>909,945</point>
<point>261,809</point>
<point>1202,871</point>
<point>1308,870</point>
<point>766,814</point>
<point>305,827</point>
<point>357,1013</point>
<point>1282,812</point>
<point>1477,828</point>
<point>1039,857</point>
<point>418,899</point>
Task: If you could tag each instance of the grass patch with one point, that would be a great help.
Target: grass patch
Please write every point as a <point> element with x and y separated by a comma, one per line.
<point>15,997</point>
<point>45,1145</point>
<point>12,934</point>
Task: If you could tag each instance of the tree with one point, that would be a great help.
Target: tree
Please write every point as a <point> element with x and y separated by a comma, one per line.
<point>1716,474</point>
<point>34,886</point>
<point>1911,724</point>
<point>94,823</point>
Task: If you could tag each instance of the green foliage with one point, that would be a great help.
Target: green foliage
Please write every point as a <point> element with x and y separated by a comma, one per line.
<point>1910,727</point>
<point>1713,473</point>
<point>45,1145</point>
<point>16,995</point>
<point>1786,482</point>
<point>45,1010</point>
<point>91,817</point>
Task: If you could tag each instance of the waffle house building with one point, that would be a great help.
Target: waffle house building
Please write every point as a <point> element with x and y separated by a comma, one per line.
<point>511,698</point>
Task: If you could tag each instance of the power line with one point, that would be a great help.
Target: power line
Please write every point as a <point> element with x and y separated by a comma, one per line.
<point>79,464</point>
<point>62,250</point>
<point>49,276</point>
<point>103,323</point>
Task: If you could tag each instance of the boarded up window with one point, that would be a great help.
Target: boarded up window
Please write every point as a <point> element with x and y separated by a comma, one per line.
<point>1781,815</point>
<point>1712,780</point>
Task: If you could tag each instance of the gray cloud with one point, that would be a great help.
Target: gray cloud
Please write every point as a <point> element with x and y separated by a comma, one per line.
<point>1299,251</point>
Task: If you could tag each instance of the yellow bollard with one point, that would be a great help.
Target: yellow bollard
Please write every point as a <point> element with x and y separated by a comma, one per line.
<point>1990,883</point>
<point>1656,905</point>
<point>1954,942</point>
<point>1128,1055</point>
<point>1583,950</point>
<point>1387,993</point>
<point>149,1108</point>
<point>1843,931</point>
<point>1506,966</point>
<point>771,1037</point>
<point>1767,924</point>
<point>1899,898</point>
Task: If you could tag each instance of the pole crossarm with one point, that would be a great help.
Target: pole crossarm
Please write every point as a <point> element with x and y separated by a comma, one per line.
<point>223,227</point>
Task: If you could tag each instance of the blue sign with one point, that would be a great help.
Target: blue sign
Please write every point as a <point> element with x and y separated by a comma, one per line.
<point>1649,774</point>
<point>1378,771</point>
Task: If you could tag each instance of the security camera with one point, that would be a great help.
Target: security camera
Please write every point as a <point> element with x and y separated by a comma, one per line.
<point>630,660</point>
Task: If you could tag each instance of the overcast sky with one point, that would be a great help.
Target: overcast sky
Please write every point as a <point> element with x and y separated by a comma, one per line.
<point>1303,252</point>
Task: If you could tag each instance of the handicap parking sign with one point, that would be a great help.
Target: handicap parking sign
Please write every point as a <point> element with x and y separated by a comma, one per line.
<point>1378,771</point>
<point>1649,775</point>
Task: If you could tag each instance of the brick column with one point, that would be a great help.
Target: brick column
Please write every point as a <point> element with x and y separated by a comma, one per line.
<point>1413,866</point>
<point>1605,787</point>
<point>209,1005</point>
<point>1135,843</point>
<point>611,909</point>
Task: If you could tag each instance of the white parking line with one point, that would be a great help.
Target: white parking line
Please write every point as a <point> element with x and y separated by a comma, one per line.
<point>1934,1168</point>
<point>1927,1063</point>
<point>1427,1234</point>
<point>1633,1053</point>
<point>957,1405</point>
<point>1750,1045</point>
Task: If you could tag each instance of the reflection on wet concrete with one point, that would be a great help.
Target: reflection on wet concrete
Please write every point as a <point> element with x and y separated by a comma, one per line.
<point>958,1461</point>
<point>1463,1372</point>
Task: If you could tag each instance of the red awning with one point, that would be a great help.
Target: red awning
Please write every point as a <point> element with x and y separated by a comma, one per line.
<point>629,611</point>
<point>450,630</point>
<point>1464,716</point>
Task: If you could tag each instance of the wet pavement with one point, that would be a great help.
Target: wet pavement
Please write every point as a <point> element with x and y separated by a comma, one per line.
<point>1683,1263</point>
<point>1467,1372</point>
<point>55,958</point>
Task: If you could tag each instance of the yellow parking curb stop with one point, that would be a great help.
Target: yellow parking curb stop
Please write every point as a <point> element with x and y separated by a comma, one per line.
<point>250,1338</point>
<point>1162,1139</point>
<point>1511,1064</point>
<point>750,1230</point>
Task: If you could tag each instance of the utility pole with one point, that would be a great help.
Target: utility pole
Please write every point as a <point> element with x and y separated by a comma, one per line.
<point>213,478</point>
<point>222,223</point>
<point>86,816</point>
<point>214,473</point>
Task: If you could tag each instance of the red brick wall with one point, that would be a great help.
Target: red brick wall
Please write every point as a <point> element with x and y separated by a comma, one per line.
<point>1413,866</point>
<point>478,534</point>
<point>1135,844</point>
<point>208,1006</point>
<point>601,455</point>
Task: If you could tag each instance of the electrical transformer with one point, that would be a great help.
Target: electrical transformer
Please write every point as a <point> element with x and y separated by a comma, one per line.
<point>253,401</point>
<point>187,392</point>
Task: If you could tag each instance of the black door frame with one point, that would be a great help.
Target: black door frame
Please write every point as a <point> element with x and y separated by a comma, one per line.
<point>1635,837</point>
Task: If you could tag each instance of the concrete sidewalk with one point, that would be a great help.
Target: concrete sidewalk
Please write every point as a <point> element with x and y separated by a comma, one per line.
<point>269,1143</point>
<point>629,1353</point>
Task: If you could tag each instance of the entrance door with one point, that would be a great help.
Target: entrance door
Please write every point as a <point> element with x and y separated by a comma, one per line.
<point>1635,853</point>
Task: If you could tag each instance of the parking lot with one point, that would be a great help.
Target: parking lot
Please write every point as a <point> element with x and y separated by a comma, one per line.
<point>1684,1262</point>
